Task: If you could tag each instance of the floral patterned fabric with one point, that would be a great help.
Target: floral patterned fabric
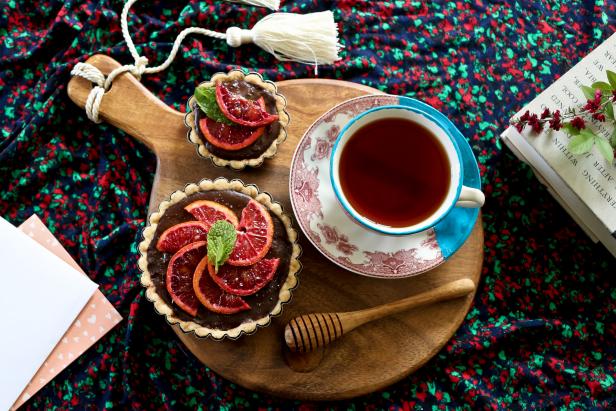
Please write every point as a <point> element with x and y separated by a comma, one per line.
<point>542,330</point>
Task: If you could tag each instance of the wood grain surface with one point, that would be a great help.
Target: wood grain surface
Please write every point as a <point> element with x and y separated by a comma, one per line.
<point>368,359</point>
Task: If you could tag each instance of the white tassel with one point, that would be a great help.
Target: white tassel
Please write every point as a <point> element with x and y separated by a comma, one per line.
<point>306,38</point>
<point>271,4</point>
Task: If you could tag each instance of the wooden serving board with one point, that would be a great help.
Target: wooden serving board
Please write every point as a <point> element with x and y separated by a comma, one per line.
<point>368,359</point>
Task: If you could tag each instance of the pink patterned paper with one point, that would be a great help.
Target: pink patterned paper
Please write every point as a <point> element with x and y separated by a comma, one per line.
<point>94,321</point>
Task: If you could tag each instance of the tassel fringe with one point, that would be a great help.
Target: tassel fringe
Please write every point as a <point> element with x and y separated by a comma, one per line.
<point>306,38</point>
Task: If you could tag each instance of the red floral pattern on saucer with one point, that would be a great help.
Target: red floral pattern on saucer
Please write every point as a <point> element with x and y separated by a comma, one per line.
<point>340,240</point>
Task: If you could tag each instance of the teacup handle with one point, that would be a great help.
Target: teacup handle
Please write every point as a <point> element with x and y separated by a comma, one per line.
<point>470,198</point>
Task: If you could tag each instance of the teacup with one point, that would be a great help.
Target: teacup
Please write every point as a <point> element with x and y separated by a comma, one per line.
<point>398,170</point>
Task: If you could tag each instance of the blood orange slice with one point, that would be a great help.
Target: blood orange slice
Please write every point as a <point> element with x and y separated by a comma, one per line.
<point>241,110</point>
<point>208,212</point>
<point>212,296</point>
<point>180,274</point>
<point>179,235</point>
<point>244,280</point>
<point>254,236</point>
<point>228,137</point>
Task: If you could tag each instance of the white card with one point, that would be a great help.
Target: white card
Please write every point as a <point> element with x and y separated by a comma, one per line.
<point>41,297</point>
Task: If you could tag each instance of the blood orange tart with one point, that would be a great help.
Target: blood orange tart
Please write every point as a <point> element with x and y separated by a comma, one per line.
<point>237,119</point>
<point>248,289</point>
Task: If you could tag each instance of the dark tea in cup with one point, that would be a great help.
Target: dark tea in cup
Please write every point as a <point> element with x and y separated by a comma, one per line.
<point>394,172</point>
<point>398,170</point>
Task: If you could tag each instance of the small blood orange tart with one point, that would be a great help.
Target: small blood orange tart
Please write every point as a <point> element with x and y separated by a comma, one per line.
<point>239,121</point>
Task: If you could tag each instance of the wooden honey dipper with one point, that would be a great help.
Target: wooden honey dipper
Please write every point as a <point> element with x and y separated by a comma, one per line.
<point>311,331</point>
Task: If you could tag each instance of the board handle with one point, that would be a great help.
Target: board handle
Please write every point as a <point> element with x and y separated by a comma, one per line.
<point>130,106</point>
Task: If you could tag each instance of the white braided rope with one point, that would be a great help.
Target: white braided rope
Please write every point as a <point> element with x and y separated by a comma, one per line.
<point>178,41</point>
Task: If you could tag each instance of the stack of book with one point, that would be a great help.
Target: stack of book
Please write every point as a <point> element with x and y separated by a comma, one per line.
<point>585,185</point>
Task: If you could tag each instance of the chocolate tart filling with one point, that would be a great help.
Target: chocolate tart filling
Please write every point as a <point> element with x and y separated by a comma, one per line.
<point>261,303</point>
<point>272,130</point>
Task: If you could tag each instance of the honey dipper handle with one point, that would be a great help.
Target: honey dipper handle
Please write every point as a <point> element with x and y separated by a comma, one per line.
<point>311,331</point>
<point>449,291</point>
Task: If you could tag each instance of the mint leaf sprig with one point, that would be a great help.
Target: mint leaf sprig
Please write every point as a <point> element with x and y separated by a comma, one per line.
<point>206,100</point>
<point>599,108</point>
<point>220,242</point>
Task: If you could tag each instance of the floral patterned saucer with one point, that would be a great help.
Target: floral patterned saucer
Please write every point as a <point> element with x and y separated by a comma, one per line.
<point>344,241</point>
